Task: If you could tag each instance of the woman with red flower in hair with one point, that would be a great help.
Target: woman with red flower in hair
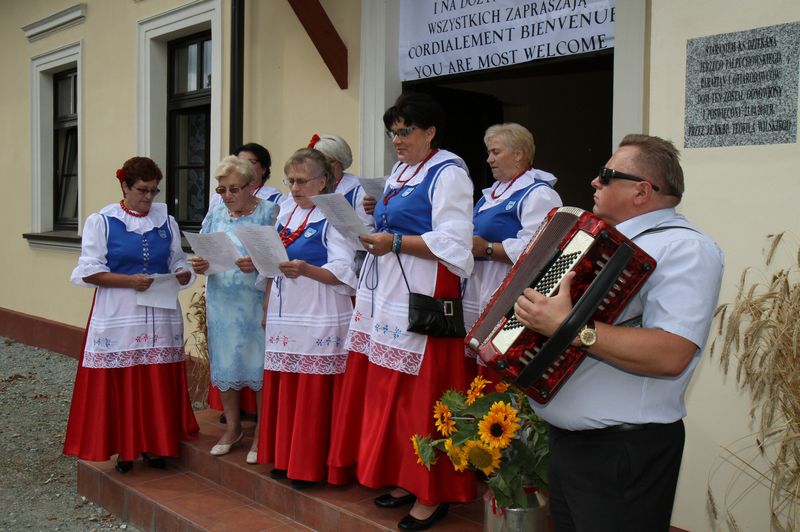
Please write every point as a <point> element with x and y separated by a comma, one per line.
<point>130,396</point>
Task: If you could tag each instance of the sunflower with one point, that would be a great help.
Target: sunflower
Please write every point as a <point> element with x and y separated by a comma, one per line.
<point>456,454</point>
<point>506,410</point>
<point>443,417</point>
<point>415,443</point>
<point>501,387</point>
<point>476,389</point>
<point>482,456</point>
<point>496,431</point>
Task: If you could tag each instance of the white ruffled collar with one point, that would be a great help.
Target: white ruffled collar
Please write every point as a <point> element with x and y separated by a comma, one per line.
<point>155,218</point>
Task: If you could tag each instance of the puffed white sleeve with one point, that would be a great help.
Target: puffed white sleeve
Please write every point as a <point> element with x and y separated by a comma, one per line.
<point>93,251</point>
<point>177,258</point>
<point>451,237</point>
<point>341,254</point>
<point>534,210</point>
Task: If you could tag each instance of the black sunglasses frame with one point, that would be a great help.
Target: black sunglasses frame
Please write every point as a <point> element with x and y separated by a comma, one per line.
<point>605,175</point>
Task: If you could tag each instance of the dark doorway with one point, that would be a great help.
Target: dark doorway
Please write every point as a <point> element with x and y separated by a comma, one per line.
<point>566,103</point>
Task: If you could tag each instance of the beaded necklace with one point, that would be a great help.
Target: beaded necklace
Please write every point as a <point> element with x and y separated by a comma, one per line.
<point>132,213</point>
<point>507,186</point>
<point>395,191</point>
<point>288,238</point>
<point>247,211</point>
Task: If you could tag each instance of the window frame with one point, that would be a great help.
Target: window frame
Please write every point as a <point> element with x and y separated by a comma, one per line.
<point>153,36</point>
<point>42,69</point>
<point>182,104</point>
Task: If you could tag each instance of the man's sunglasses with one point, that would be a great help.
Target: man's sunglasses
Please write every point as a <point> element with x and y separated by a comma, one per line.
<point>607,174</point>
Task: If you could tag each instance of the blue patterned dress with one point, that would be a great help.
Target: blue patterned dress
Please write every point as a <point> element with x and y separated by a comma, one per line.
<point>235,308</point>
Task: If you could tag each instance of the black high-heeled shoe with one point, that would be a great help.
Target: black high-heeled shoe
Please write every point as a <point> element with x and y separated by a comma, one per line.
<point>156,462</point>
<point>303,484</point>
<point>123,466</point>
<point>278,474</point>
<point>410,522</point>
<point>388,501</point>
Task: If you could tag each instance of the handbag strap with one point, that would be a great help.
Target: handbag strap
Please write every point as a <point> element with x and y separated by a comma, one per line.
<point>402,271</point>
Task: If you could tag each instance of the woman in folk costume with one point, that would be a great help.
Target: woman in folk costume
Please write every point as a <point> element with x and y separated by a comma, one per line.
<point>308,311</point>
<point>339,155</point>
<point>130,396</point>
<point>424,221</point>
<point>234,306</point>
<point>506,216</point>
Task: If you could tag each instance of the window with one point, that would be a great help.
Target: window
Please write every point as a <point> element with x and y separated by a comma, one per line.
<point>65,143</point>
<point>188,128</point>
<point>55,163</point>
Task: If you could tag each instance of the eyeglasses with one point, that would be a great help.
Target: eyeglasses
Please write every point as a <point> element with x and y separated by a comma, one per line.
<point>299,182</point>
<point>232,189</point>
<point>605,175</point>
<point>402,132</point>
<point>146,191</point>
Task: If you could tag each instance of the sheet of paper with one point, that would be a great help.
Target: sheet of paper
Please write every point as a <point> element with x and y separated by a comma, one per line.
<point>373,186</point>
<point>163,292</point>
<point>341,214</point>
<point>216,248</point>
<point>264,246</point>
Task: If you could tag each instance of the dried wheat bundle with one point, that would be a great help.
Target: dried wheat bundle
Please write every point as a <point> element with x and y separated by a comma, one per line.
<point>761,330</point>
<point>197,349</point>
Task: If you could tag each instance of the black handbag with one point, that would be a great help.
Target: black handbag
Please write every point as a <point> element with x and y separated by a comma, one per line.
<point>434,316</point>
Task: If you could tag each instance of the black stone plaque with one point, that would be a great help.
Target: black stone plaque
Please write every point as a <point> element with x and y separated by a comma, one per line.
<point>741,88</point>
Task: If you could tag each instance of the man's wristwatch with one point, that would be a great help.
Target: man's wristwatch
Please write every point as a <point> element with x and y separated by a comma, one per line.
<point>489,249</point>
<point>588,335</point>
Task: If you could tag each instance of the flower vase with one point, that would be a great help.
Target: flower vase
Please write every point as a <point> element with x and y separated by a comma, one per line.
<point>530,519</point>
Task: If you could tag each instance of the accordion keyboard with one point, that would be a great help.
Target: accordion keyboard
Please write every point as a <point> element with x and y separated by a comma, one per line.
<point>547,284</point>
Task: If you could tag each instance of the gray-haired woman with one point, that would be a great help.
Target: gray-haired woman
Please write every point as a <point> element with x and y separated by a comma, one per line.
<point>234,305</point>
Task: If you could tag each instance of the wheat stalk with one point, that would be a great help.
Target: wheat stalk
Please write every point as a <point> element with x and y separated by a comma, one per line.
<point>761,331</point>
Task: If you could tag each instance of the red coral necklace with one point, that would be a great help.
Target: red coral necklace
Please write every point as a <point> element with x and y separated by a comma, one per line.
<point>511,182</point>
<point>132,213</point>
<point>288,238</point>
<point>395,191</point>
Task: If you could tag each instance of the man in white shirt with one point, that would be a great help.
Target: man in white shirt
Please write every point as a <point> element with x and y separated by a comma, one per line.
<point>617,432</point>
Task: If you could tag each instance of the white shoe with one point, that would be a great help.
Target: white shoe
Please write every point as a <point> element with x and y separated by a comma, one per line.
<point>252,457</point>
<point>224,448</point>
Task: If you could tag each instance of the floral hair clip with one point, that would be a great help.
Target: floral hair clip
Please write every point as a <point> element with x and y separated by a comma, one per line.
<point>313,141</point>
<point>121,175</point>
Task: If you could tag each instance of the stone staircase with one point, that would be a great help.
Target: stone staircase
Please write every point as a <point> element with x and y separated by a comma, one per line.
<point>203,492</point>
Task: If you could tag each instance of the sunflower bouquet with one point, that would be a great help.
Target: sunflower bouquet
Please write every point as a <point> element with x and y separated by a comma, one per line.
<point>494,431</point>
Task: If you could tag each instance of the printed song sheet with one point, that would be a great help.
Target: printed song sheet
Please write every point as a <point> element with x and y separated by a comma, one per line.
<point>163,292</point>
<point>373,186</point>
<point>264,246</point>
<point>341,214</point>
<point>216,248</point>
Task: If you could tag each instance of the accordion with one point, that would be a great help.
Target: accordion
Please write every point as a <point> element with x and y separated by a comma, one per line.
<point>609,270</point>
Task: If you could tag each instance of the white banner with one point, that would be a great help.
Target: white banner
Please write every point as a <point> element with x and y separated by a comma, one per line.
<point>444,37</point>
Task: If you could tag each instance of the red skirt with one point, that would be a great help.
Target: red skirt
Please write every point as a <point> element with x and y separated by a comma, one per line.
<point>128,411</point>
<point>348,410</point>
<point>247,400</point>
<point>267,416</point>
<point>299,438</point>
<point>398,405</point>
<point>393,406</point>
